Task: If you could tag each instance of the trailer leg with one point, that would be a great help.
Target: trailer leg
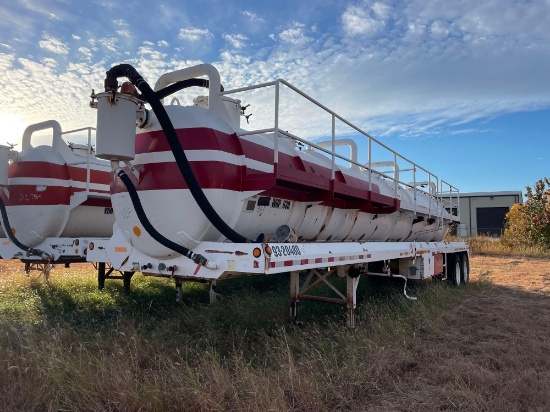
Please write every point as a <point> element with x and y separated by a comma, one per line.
<point>294,292</point>
<point>127,278</point>
<point>351,299</point>
<point>46,272</point>
<point>101,275</point>
<point>214,296</point>
<point>27,269</point>
<point>179,289</point>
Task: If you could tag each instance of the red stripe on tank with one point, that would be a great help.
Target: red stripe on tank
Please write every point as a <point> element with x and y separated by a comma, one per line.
<point>199,138</point>
<point>294,178</point>
<point>98,202</point>
<point>49,170</point>
<point>38,169</point>
<point>96,176</point>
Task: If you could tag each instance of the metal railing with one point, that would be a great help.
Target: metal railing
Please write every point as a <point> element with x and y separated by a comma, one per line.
<point>445,195</point>
<point>88,152</point>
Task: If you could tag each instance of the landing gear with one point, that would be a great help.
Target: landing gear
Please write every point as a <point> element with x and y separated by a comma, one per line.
<point>44,268</point>
<point>101,275</point>
<point>299,292</point>
<point>179,289</point>
<point>127,279</point>
<point>212,293</point>
<point>104,272</point>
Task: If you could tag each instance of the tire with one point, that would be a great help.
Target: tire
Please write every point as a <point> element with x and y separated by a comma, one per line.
<point>465,272</point>
<point>454,269</point>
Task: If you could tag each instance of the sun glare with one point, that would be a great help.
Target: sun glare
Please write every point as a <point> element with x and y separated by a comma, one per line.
<point>12,128</point>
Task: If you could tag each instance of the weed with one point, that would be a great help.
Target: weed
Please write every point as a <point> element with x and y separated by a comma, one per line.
<point>67,346</point>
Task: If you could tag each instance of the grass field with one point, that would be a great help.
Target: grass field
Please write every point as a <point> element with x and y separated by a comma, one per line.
<point>65,346</point>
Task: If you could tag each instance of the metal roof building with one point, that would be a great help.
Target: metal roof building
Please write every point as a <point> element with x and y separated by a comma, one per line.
<point>483,213</point>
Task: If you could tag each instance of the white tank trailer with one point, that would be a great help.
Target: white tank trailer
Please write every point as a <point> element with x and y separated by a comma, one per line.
<point>54,196</point>
<point>196,196</point>
<point>251,192</point>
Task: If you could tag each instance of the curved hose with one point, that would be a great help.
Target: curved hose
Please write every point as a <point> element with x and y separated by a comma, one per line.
<point>184,84</point>
<point>7,229</point>
<point>199,259</point>
<point>111,84</point>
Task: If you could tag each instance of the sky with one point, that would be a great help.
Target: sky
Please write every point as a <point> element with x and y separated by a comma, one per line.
<point>460,87</point>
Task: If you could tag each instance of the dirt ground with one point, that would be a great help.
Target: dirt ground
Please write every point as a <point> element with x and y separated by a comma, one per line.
<point>499,340</point>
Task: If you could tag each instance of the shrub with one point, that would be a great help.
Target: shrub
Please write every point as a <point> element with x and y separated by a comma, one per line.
<point>528,224</point>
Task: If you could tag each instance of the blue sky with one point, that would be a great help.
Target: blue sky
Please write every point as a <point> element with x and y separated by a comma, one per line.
<point>460,87</point>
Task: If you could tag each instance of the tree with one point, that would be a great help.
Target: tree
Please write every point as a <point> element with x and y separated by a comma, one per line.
<point>529,223</point>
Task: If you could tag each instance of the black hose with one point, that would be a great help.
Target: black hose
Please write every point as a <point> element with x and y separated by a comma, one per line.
<point>7,229</point>
<point>184,84</point>
<point>182,250</point>
<point>111,84</point>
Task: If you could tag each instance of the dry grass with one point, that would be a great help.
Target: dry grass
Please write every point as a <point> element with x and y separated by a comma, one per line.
<point>494,246</point>
<point>66,346</point>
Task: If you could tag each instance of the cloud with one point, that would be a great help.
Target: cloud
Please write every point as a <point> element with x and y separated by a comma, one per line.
<point>253,17</point>
<point>359,20</point>
<point>123,28</point>
<point>120,23</point>
<point>237,41</point>
<point>53,44</point>
<point>147,51</point>
<point>37,9</point>
<point>435,65</point>
<point>295,34</point>
<point>49,62</point>
<point>109,43</point>
<point>193,34</point>
<point>86,52</point>
<point>74,36</point>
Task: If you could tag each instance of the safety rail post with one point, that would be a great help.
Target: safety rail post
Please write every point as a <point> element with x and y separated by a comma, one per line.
<point>414,187</point>
<point>370,167</point>
<point>276,131</point>
<point>429,194</point>
<point>395,174</point>
<point>440,192</point>
<point>88,160</point>
<point>88,154</point>
<point>438,202</point>
<point>334,147</point>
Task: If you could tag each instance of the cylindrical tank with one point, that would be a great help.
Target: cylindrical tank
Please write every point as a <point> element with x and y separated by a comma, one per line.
<point>55,191</point>
<point>238,177</point>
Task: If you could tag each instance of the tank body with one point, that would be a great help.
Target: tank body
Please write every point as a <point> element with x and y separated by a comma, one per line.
<point>48,194</point>
<point>255,197</point>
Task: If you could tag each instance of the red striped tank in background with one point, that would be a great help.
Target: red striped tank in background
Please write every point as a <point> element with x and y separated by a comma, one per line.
<point>57,190</point>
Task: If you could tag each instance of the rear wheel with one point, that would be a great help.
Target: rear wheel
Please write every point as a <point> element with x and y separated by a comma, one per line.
<point>465,268</point>
<point>454,269</point>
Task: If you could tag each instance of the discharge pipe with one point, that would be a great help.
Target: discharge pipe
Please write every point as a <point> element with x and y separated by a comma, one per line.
<point>111,85</point>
